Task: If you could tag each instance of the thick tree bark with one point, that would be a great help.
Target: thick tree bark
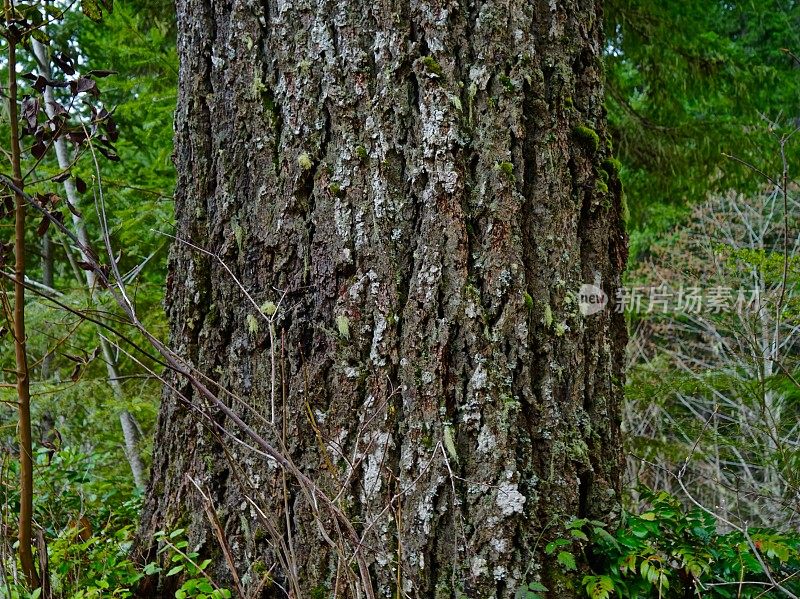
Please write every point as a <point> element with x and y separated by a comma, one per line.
<point>420,188</point>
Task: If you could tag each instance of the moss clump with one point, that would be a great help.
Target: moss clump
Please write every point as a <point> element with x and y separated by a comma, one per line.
<point>560,581</point>
<point>568,103</point>
<point>612,167</point>
<point>433,67</point>
<point>319,592</point>
<point>336,190</point>
<point>260,567</point>
<point>601,187</point>
<point>587,138</point>
<point>269,308</point>
<point>506,168</point>
<point>547,320</point>
<point>625,212</point>
<point>304,161</point>
<point>603,174</point>
<point>528,300</point>
<point>507,83</point>
<point>343,325</point>
<point>252,324</point>
<point>361,152</point>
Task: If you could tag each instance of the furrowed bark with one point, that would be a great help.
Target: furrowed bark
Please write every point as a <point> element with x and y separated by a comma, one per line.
<point>415,192</point>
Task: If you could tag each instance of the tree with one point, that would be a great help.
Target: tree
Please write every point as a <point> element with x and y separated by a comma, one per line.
<point>713,377</point>
<point>688,82</point>
<point>384,217</point>
<point>58,109</point>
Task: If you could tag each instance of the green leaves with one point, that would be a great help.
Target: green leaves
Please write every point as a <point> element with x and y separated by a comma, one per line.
<point>175,550</point>
<point>567,560</point>
<point>91,8</point>
<point>598,587</point>
<point>531,591</point>
<point>673,70</point>
<point>653,572</point>
<point>668,551</point>
<point>175,570</point>
<point>551,547</point>
<point>94,8</point>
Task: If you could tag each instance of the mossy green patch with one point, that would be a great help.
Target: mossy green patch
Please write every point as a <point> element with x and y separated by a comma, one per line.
<point>433,67</point>
<point>252,324</point>
<point>336,190</point>
<point>319,592</point>
<point>587,138</point>
<point>343,326</point>
<point>507,83</point>
<point>304,161</point>
<point>506,167</point>
<point>528,300</point>
<point>612,167</point>
<point>625,212</point>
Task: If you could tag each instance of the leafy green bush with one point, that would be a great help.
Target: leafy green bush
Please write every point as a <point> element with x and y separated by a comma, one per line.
<point>668,551</point>
<point>95,567</point>
<point>88,516</point>
<point>186,562</point>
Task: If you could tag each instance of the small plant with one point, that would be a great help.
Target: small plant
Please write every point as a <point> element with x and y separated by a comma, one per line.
<point>532,590</point>
<point>433,68</point>
<point>304,161</point>
<point>84,565</point>
<point>668,551</point>
<point>185,562</point>
<point>505,167</point>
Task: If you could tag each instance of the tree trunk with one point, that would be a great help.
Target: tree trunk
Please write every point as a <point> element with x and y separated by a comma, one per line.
<point>414,193</point>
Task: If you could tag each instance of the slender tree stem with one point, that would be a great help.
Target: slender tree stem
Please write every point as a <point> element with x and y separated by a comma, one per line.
<point>47,281</point>
<point>20,350</point>
<point>130,429</point>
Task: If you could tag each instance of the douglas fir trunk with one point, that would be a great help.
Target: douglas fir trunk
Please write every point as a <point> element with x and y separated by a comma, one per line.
<point>412,193</point>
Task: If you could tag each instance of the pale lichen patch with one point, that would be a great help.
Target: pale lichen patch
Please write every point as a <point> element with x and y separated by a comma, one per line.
<point>509,499</point>
<point>379,441</point>
<point>486,440</point>
<point>478,566</point>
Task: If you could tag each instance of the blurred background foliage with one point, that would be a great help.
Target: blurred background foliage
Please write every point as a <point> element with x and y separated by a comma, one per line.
<point>687,83</point>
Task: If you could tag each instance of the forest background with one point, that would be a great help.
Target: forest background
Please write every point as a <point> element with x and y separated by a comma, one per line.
<point>703,102</point>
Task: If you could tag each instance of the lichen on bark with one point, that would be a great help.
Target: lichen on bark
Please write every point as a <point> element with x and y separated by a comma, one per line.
<point>408,186</point>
